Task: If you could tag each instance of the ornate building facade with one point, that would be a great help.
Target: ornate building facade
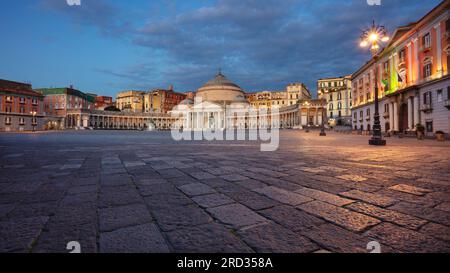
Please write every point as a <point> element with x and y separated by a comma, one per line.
<point>162,100</point>
<point>338,94</point>
<point>130,101</point>
<point>59,101</point>
<point>221,104</point>
<point>413,78</point>
<point>293,93</point>
<point>21,108</point>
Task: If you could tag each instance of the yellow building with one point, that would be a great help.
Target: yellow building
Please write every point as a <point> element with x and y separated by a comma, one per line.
<point>162,100</point>
<point>293,93</point>
<point>131,101</point>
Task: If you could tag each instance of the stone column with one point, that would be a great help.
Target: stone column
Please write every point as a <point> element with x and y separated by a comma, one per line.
<point>416,110</point>
<point>396,121</point>
<point>438,48</point>
<point>307,116</point>
<point>416,60</point>
<point>410,114</point>
<point>391,116</point>
<point>409,67</point>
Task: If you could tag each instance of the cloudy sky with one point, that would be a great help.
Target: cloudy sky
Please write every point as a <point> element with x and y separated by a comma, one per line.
<point>104,46</point>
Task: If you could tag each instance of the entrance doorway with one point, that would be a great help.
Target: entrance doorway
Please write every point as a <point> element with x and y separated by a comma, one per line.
<point>403,118</point>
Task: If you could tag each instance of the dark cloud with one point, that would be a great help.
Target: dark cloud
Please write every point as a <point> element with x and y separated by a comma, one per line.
<point>260,44</point>
<point>99,13</point>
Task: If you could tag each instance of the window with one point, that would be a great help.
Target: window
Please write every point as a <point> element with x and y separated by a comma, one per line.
<point>355,116</point>
<point>34,101</point>
<point>8,120</point>
<point>386,67</point>
<point>439,95</point>
<point>339,96</point>
<point>331,97</point>
<point>386,108</point>
<point>427,98</point>
<point>331,114</point>
<point>427,70</point>
<point>22,110</point>
<point>427,40</point>
<point>22,100</point>
<point>331,106</point>
<point>8,108</point>
<point>8,99</point>
<point>21,121</point>
<point>429,126</point>
<point>339,105</point>
<point>361,114</point>
<point>401,56</point>
<point>340,114</point>
<point>368,112</point>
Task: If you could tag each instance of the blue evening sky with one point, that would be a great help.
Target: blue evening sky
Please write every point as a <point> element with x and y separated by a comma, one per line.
<point>105,46</point>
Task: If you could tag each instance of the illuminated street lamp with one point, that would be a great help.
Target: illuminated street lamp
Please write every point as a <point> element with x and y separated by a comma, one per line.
<point>373,37</point>
<point>33,123</point>
<point>322,130</point>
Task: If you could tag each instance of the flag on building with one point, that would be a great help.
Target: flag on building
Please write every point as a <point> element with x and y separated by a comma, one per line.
<point>399,78</point>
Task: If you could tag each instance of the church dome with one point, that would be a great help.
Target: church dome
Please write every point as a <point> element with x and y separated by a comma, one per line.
<point>220,89</point>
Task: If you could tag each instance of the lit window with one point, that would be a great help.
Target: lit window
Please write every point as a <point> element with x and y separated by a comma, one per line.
<point>427,40</point>
<point>427,70</point>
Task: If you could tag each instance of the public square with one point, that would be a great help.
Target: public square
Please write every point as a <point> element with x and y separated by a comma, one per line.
<point>123,191</point>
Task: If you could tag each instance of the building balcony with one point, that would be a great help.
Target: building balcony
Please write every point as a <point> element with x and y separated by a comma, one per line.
<point>425,48</point>
<point>427,108</point>
<point>447,104</point>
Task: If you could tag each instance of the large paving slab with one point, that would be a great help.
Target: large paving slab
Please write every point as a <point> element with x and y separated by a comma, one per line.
<point>119,191</point>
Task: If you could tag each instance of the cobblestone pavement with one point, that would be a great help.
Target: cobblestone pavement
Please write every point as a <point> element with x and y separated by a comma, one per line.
<point>143,192</point>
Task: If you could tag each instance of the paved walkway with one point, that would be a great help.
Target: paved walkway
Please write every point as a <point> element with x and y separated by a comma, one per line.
<point>142,192</point>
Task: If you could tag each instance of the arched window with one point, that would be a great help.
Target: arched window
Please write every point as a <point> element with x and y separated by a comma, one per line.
<point>331,106</point>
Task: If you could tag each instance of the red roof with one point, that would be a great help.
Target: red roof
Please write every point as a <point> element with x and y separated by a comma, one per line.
<point>18,88</point>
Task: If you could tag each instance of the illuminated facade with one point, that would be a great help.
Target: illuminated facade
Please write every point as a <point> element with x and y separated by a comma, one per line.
<point>338,95</point>
<point>267,99</point>
<point>162,100</point>
<point>130,101</point>
<point>221,104</point>
<point>413,79</point>
<point>101,102</point>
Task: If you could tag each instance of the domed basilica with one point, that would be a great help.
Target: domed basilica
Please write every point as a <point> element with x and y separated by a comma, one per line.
<point>211,103</point>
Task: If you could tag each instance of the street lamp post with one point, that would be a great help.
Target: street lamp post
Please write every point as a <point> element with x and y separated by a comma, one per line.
<point>33,123</point>
<point>322,131</point>
<point>373,37</point>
